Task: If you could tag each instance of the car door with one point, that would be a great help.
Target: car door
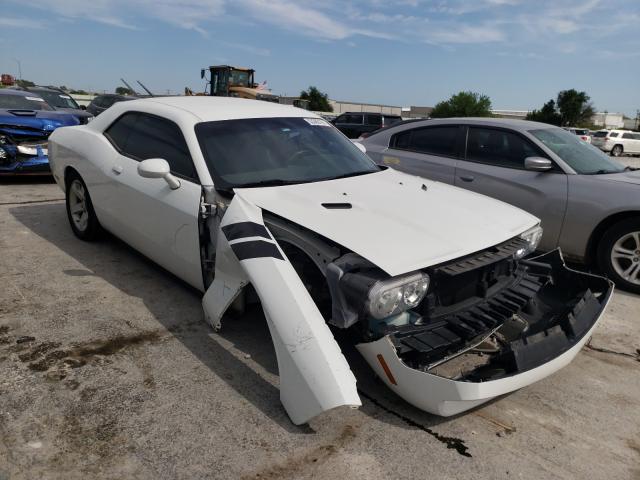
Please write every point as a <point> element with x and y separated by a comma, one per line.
<point>159,222</point>
<point>494,166</point>
<point>429,152</point>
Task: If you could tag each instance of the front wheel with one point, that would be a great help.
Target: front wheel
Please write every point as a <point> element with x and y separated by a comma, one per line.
<point>619,254</point>
<point>82,217</point>
<point>616,151</point>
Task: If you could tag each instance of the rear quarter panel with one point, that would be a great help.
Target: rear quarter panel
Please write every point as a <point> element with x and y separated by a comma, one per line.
<point>89,153</point>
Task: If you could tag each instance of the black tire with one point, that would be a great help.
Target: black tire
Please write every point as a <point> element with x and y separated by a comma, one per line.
<point>616,151</point>
<point>84,226</point>
<point>614,267</point>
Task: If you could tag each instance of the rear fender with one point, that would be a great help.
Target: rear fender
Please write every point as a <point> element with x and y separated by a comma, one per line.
<point>314,375</point>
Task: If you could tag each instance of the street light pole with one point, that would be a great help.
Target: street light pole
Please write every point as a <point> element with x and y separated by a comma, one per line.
<point>19,69</point>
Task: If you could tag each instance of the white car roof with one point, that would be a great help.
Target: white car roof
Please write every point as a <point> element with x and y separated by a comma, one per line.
<point>208,108</point>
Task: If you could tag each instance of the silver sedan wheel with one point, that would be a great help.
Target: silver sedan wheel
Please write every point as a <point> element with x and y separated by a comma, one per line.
<point>78,205</point>
<point>625,257</point>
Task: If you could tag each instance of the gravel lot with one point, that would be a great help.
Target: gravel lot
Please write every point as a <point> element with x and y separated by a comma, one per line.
<point>107,370</point>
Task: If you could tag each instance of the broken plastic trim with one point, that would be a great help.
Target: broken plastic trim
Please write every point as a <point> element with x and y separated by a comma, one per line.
<point>575,302</point>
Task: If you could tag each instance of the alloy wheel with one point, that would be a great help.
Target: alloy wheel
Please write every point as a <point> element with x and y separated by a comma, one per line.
<point>625,257</point>
<point>78,205</point>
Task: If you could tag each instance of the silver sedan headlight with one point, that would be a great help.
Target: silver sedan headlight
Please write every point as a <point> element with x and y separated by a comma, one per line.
<point>396,295</point>
<point>532,237</point>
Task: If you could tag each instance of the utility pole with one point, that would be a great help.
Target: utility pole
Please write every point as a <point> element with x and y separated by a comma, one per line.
<point>19,68</point>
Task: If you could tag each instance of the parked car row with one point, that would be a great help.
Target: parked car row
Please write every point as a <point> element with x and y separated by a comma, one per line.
<point>252,201</point>
<point>588,202</point>
<point>26,121</point>
<point>28,115</point>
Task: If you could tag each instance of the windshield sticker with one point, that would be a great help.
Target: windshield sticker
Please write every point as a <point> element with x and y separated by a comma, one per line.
<point>65,96</point>
<point>35,99</point>
<point>318,122</point>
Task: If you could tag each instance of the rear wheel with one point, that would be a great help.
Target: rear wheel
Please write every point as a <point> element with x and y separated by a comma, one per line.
<point>82,217</point>
<point>619,254</point>
<point>616,151</point>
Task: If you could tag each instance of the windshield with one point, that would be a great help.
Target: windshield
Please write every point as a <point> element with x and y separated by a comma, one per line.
<point>239,78</point>
<point>579,155</point>
<point>18,102</point>
<point>58,100</point>
<point>278,151</point>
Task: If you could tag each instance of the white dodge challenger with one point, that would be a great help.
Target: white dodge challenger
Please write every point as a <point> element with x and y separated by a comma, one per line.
<point>250,201</point>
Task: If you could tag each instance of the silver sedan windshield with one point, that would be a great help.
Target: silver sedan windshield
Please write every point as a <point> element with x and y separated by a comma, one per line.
<point>582,157</point>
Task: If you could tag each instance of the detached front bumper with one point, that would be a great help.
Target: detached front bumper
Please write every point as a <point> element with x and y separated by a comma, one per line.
<point>571,303</point>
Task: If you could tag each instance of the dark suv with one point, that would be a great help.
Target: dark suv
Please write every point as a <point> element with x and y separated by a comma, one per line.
<point>102,102</point>
<point>354,124</point>
<point>60,100</point>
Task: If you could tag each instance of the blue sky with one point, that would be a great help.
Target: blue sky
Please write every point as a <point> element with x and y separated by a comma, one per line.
<point>399,52</point>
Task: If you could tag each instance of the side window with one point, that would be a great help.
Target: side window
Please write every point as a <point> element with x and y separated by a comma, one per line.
<point>636,136</point>
<point>98,102</point>
<point>119,130</point>
<point>627,135</point>
<point>341,119</point>
<point>107,102</point>
<point>148,136</point>
<point>355,118</point>
<point>498,147</point>
<point>613,134</point>
<point>374,120</point>
<point>435,140</point>
<point>401,140</point>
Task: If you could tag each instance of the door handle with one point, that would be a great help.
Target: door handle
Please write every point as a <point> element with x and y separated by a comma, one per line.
<point>467,178</point>
<point>117,169</point>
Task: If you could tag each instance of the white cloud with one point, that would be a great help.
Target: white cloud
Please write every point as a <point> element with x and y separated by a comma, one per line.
<point>20,23</point>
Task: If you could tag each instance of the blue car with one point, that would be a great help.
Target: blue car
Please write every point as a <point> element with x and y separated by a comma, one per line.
<point>26,121</point>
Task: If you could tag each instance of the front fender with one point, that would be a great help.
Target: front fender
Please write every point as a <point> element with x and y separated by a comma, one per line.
<point>314,375</point>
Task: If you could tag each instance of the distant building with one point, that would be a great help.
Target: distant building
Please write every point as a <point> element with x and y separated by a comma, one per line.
<point>341,107</point>
<point>516,114</point>
<point>608,120</point>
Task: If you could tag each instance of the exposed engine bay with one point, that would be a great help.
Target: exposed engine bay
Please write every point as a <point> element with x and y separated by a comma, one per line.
<point>445,338</point>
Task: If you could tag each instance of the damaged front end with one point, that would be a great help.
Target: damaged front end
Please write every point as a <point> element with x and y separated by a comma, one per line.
<point>24,154</point>
<point>445,338</point>
<point>489,325</point>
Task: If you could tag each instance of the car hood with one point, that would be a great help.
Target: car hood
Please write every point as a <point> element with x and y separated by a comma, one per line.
<point>630,176</point>
<point>397,221</point>
<point>78,112</point>
<point>40,119</point>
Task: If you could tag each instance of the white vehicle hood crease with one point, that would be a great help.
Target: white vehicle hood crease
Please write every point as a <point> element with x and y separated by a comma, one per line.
<point>397,221</point>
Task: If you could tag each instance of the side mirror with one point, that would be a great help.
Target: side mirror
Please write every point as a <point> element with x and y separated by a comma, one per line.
<point>202,73</point>
<point>360,146</point>
<point>83,107</point>
<point>537,164</point>
<point>158,168</point>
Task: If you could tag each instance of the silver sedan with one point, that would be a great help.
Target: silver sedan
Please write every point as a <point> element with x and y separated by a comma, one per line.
<point>588,202</point>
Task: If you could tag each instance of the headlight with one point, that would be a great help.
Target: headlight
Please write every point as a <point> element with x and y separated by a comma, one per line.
<point>32,149</point>
<point>532,237</point>
<point>393,296</point>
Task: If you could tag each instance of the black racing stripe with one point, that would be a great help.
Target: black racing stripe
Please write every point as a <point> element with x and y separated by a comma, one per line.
<point>256,249</point>
<point>245,229</point>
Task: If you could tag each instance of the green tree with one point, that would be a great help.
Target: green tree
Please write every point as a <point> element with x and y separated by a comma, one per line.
<point>318,101</point>
<point>123,91</point>
<point>463,104</point>
<point>547,114</point>
<point>25,83</point>
<point>574,107</point>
